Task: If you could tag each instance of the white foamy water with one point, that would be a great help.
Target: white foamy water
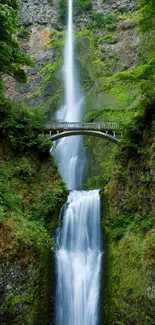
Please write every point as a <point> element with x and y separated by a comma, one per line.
<point>78,257</point>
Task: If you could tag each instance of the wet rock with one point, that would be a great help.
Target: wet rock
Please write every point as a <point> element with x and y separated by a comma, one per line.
<point>37,11</point>
<point>108,6</point>
<point>126,45</point>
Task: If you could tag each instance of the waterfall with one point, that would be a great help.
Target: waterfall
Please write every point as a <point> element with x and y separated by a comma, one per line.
<point>78,252</point>
<point>68,152</point>
<point>78,257</point>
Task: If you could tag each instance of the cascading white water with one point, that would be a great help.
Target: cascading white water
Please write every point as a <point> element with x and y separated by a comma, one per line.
<point>78,253</point>
<point>78,260</point>
<point>68,151</point>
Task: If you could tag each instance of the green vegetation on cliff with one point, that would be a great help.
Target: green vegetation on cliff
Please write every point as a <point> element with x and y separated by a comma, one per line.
<point>11,58</point>
<point>129,220</point>
<point>31,196</point>
<point>31,193</point>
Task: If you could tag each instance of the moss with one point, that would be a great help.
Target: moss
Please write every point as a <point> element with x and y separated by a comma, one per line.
<point>24,269</point>
<point>31,197</point>
<point>25,242</point>
<point>129,219</point>
<point>31,194</point>
<point>129,223</point>
<point>126,281</point>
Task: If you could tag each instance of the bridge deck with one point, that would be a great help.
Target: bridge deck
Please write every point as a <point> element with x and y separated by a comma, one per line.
<point>106,130</point>
<point>96,126</point>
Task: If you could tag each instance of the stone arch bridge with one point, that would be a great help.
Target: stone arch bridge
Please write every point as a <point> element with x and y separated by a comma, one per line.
<point>105,130</point>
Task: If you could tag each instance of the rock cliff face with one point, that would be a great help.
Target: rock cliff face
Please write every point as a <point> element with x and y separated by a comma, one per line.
<point>39,12</point>
<point>126,44</point>
<point>112,6</point>
<point>39,19</point>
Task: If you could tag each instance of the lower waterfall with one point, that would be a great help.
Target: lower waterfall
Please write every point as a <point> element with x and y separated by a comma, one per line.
<point>78,258</point>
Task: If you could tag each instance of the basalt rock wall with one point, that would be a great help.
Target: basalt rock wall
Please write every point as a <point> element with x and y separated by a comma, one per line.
<point>39,22</point>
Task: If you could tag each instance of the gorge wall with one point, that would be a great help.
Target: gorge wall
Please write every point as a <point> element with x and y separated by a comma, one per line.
<point>106,43</point>
<point>41,30</point>
<point>31,196</point>
<point>128,221</point>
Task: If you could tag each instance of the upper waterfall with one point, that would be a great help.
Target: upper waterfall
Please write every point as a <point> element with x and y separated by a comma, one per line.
<point>69,69</point>
<point>69,152</point>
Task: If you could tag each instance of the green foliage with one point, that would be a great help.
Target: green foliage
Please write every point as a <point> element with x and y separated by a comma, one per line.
<point>32,233</point>
<point>94,64</point>
<point>44,143</point>
<point>31,190</point>
<point>26,149</point>
<point>22,128</point>
<point>104,21</point>
<point>27,300</point>
<point>149,248</point>
<point>107,99</point>
<point>29,199</point>
<point>147,12</point>
<point>100,159</point>
<point>120,224</point>
<point>63,9</point>
<point>25,245</point>
<point>82,5</point>
<point>109,38</point>
<point>127,299</point>
<point>10,3</point>
<point>23,33</point>
<point>51,84</point>
<point>25,170</point>
<point>11,58</point>
<point>142,114</point>
<point>2,215</point>
<point>31,195</point>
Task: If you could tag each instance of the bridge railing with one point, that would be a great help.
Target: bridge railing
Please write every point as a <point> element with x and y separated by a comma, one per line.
<point>60,126</point>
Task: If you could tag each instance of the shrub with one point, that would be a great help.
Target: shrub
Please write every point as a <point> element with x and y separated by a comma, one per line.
<point>22,128</point>
<point>101,21</point>
<point>24,33</point>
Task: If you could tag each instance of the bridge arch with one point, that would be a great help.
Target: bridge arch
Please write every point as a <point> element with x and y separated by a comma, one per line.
<point>99,134</point>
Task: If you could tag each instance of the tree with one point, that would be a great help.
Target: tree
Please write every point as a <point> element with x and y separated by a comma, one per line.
<point>11,58</point>
<point>147,12</point>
